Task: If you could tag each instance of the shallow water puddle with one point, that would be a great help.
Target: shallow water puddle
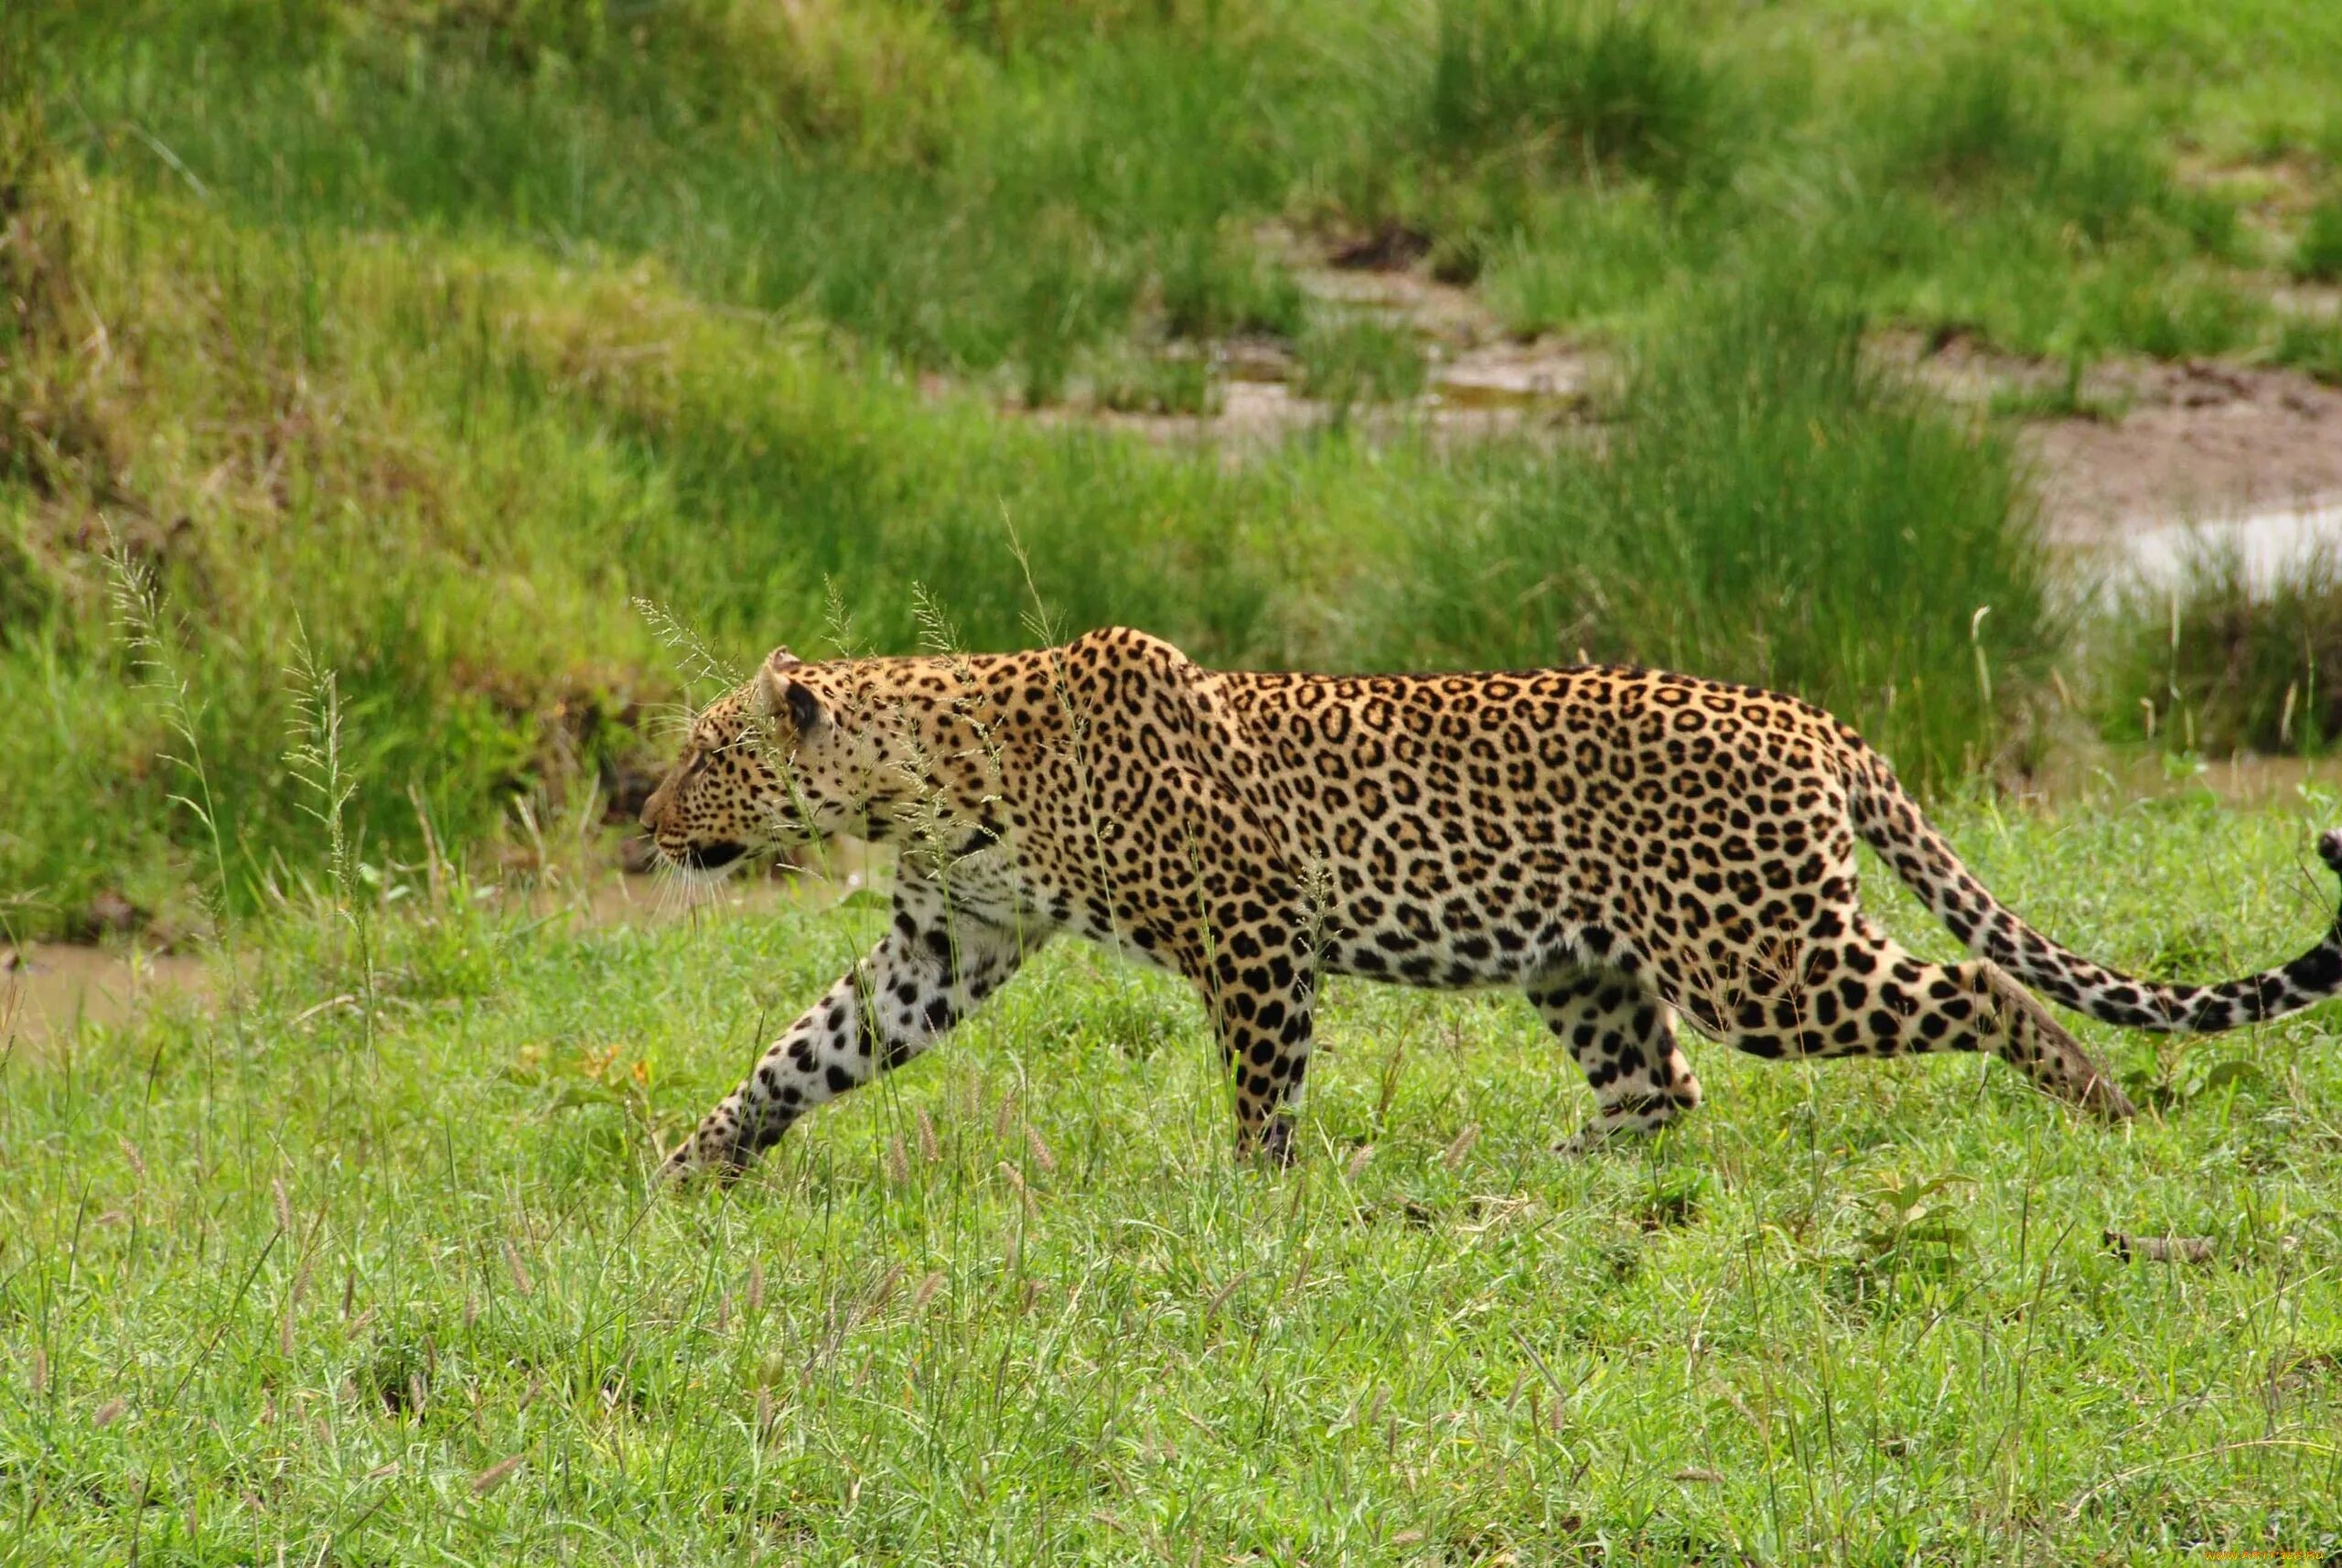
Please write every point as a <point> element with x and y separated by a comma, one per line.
<point>2268,548</point>
<point>53,988</point>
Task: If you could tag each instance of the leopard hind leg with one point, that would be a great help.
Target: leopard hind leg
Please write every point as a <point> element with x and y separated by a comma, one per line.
<point>1622,1035</point>
<point>1866,995</point>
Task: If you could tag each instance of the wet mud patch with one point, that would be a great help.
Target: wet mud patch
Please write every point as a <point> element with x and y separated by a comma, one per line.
<point>2120,445</point>
<point>1472,379</point>
<point>52,989</point>
<point>2127,445</point>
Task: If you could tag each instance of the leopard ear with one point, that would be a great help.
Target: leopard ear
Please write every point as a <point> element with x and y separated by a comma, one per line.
<point>784,695</point>
<point>805,710</point>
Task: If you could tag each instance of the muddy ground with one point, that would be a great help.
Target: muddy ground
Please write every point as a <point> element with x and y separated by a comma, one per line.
<point>50,989</point>
<point>2153,441</point>
<point>2130,444</point>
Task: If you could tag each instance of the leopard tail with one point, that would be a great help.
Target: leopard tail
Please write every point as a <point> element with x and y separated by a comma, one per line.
<point>1891,822</point>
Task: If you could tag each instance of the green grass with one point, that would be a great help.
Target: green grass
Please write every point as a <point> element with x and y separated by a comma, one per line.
<point>998,188</point>
<point>2232,665</point>
<point>1141,381</point>
<point>2318,256</point>
<point>1577,84</point>
<point>391,1289</point>
<point>1359,360</point>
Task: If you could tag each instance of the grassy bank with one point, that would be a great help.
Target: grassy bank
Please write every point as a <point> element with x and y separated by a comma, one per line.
<point>1008,187</point>
<point>440,333</point>
<point>376,1280</point>
<point>454,464</point>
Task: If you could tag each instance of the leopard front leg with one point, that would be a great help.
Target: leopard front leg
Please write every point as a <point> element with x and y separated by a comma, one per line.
<point>1258,981</point>
<point>930,972</point>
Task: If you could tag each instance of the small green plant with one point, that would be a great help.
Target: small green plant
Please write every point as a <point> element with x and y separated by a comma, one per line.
<point>2066,397</point>
<point>1361,360</point>
<point>1585,264</point>
<point>1976,117</point>
<point>2171,314</point>
<point>314,757</point>
<point>1983,128</point>
<point>1216,286</point>
<point>2232,659</point>
<point>1914,1212</point>
<point>703,668</point>
<point>1142,382</point>
<point>161,666</point>
<point>2193,1075</point>
<point>1674,1200</point>
<point>2313,347</point>
<point>1910,1243</point>
<point>2318,254</point>
<point>1589,82</point>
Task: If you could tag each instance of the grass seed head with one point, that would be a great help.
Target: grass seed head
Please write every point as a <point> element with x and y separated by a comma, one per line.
<point>494,1476</point>
<point>1453,1158</point>
<point>521,1281</point>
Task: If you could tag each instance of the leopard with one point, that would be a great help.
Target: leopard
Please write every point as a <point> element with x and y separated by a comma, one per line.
<point>1628,848</point>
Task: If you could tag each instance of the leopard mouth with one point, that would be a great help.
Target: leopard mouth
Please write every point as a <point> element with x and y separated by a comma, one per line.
<point>711,856</point>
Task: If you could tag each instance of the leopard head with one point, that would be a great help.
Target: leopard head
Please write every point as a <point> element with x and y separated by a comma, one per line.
<point>772,763</point>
